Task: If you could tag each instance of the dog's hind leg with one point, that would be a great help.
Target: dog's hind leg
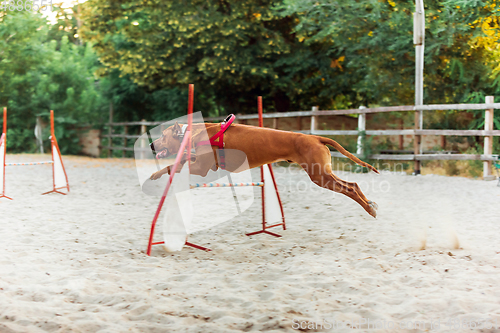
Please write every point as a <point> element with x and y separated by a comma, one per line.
<point>351,190</point>
<point>319,168</point>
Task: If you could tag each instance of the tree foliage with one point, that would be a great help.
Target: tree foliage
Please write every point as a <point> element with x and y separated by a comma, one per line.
<point>374,40</point>
<point>38,74</point>
<point>231,50</point>
<point>296,52</point>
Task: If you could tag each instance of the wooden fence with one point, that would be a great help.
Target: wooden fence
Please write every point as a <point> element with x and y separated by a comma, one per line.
<point>488,133</point>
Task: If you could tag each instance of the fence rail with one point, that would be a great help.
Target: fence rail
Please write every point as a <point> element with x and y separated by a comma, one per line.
<point>488,133</point>
<point>409,132</point>
<point>430,107</point>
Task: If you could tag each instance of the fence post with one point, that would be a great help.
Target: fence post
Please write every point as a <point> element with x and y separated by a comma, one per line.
<point>402,137</point>
<point>110,128</point>
<point>276,123</point>
<point>125,131</point>
<point>417,143</point>
<point>488,140</point>
<point>443,142</point>
<point>314,120</point>
<point>361,128</point>
<point>143,142</point>
<point>299,123</point>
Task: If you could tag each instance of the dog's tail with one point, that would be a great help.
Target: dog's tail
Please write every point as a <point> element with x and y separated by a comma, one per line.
<point>336,145</point>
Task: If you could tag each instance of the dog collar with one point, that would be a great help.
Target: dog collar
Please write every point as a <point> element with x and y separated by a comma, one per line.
<point>183,131</point>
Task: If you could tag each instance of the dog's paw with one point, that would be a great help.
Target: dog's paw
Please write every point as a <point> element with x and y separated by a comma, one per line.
<point>373,208</point>
<point>156,175</point>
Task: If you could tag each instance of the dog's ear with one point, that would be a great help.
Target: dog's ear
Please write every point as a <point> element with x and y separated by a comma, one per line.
<point>176,130</point>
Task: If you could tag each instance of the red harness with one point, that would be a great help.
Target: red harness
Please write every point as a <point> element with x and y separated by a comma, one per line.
<point>220,137</point>
<point>220,134</point>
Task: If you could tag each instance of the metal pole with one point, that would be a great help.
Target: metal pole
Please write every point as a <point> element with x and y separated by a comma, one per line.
<point>419,42</point>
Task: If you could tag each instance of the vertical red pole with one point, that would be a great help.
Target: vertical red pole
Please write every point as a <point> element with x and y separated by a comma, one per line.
<point>4,147</point>
<point>186,144</point>
<point>259,107</point>
<point>52,123</point>
<point>54,147</point>
<point>52,138</point>
<point>165,192</point>
<point>278,195</point>
<point>5,121</point>
<point>4,137</point>
<point>261,124</point>
<point>3,166</point>
<point>190,122</point>
<point>264,227</point>
<point>189,147</point>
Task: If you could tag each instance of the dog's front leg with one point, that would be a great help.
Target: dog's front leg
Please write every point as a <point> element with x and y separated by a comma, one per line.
<point>158,174</point>
<point>166,170</point>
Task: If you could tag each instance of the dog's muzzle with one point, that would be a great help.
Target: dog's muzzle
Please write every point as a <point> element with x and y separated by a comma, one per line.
<point>162,154</point>
<point>152,146</point>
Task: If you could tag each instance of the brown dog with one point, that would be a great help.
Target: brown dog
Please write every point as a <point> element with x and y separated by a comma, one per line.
<point>264,146</point>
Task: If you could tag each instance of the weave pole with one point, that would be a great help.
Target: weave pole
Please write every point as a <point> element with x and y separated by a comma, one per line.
<point>3,152</point>
<point>262,179</point>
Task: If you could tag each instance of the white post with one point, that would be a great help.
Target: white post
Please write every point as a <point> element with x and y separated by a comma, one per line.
<point>418,41</point>
<point>314,120</point>
<point>38,133</point>
<point>361,128</point>
<point>488,140</point>
<point>144,141</point>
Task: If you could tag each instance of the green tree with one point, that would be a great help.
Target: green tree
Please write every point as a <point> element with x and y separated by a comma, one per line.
<point>374,40</point>
<point>233,51</point>
<point>36,75</point>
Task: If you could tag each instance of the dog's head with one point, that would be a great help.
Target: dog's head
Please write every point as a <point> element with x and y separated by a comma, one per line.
<point>169,142</point>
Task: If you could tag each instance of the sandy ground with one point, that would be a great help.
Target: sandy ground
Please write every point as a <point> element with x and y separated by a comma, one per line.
<point>77,263</point>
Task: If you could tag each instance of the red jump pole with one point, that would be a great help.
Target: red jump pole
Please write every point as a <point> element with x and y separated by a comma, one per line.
<point>279,199</point>
<point>4,138</point>
<point>165,192</point>
<point>58,151</point>
<point>190,145</point>
<point>5,121</point>
<point>52,150</point>
<point>55,145</point>
<point>186,143</point>
<point>264,226</point>
<point>190,122</point>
